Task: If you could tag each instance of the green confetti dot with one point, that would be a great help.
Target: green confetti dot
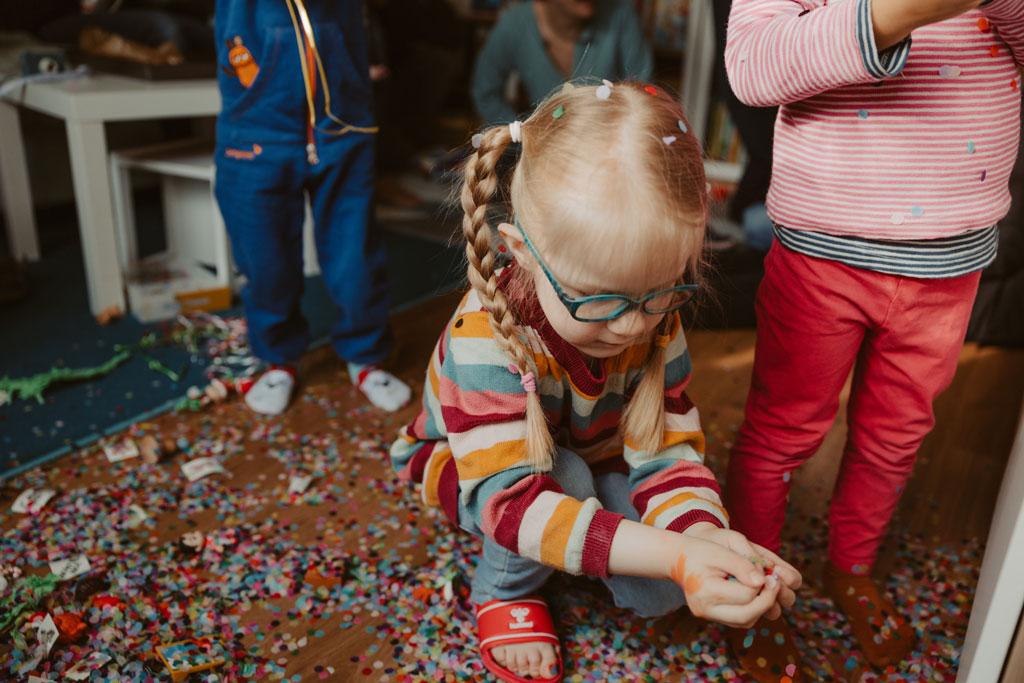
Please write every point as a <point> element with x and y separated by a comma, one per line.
<point>558,112</point>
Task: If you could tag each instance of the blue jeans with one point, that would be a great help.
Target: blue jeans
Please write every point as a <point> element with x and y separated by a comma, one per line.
<point>503,575</point>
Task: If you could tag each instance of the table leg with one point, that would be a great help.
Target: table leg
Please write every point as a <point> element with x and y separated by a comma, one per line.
<point>15,190</point>
<point>87,143</point>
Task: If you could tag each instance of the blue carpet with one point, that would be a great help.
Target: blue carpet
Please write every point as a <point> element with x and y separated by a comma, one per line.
<point>54,328</point>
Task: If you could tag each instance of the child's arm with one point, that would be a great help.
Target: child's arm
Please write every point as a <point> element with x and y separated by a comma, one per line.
<point>493,65</point>
<point>1008,18</point>
<point>893,20</point>
<point>701,568</point>
<point>782,51</point>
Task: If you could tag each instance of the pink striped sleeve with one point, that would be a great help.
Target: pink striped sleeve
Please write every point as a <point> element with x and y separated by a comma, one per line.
<point>1008,18</point>
<point>782,51</point>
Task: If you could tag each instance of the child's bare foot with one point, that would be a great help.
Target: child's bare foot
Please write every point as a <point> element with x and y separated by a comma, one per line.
<point>536,660</point>
<point>518,641</point>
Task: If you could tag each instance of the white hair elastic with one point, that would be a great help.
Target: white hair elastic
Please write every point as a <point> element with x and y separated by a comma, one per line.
<point>515,129</point>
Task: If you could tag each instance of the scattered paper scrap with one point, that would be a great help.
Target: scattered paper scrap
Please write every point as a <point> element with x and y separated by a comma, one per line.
<point>70,567</point>
<point>32,500</point>
<point>122,450</point>
<point>84,668</point>
<point>299,483</point>
<point>134,516</point>
<point>200,467</point>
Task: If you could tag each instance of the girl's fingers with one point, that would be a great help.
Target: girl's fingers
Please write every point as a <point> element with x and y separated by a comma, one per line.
<point>784,570</point>
<point>725,592</point>
<point>786,596</point>
<point>744,616</point>
<point>736,565</point>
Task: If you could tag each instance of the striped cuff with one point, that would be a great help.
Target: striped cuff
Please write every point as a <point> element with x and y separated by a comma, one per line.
<point>943,257</point>
<point>681,524</point>
<point>879,65</point>
<point>597,546</point>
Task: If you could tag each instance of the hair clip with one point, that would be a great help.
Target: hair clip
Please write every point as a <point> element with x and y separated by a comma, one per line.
<point>604,91</point>
<point>476,140</point>
<point>515,129</point>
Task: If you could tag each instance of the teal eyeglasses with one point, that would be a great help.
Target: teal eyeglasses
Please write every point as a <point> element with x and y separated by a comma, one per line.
<point>600,307</point>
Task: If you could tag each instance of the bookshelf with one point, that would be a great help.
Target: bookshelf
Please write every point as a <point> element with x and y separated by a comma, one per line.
<point>707,114</point>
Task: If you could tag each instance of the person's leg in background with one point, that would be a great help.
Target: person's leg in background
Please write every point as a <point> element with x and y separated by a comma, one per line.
<point>810,326</point>
<point>354,263</point>
<point>756,128</point>
<point>262,203</point>
<point>904,364</point>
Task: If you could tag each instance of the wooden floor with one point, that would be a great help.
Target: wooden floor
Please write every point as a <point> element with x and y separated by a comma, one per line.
<point>948,501</point>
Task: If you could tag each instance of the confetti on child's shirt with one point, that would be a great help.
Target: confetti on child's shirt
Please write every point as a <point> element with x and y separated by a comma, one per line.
<point>994,50</point>
<point>970,147</point>
<point>983,175</point>
<point>863,113</point>
<point>897,218</point>
<point>983,24</point>
<point>949,71</point>
<point>917,211</point>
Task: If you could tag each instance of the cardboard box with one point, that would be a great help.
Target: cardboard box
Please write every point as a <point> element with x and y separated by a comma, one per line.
<point>159,288</point>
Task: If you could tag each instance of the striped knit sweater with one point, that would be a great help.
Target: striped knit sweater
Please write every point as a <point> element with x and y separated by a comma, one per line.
<point>468,442</point>
<point>914,143</point>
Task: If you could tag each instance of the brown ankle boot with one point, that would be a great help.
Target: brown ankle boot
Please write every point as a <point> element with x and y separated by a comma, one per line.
<point>767,651</point>
<point>883,636</point>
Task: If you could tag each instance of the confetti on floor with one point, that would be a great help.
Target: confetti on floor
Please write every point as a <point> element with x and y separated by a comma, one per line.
<point>374,608</point>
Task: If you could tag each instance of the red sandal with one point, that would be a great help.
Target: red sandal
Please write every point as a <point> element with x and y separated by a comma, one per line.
<point>505,622</point>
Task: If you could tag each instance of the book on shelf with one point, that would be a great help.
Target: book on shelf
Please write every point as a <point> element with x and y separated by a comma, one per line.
<point>664,22</point>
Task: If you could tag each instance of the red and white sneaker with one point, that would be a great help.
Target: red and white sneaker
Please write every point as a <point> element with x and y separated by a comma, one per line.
<point>272,392</point>
<point>383,389</point>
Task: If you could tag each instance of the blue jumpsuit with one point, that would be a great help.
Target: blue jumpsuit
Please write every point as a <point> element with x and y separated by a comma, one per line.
<point>269,157</point>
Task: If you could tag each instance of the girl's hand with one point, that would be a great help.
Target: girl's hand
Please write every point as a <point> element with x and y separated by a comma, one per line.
<point>703,570</point>
<point>894,20</point>
<point>788,576</point>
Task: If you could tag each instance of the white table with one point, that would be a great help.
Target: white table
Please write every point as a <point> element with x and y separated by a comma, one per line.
<point>86,104</point>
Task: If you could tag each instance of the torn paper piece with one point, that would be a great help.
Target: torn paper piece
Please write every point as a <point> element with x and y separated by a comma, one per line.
<point>134,516</point>
<point>299,483</point>
<point>70,567</point>
<point>200,467</point>
<point>32,500</point>
<point>122,450</point>
<point>46,635</point>
<point>83,669</point>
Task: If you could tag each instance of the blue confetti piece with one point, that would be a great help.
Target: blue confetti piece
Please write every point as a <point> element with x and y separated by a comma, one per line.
<point>917,211</point>
<point>863,113</point>
<point>970,147</point>
<point>682,126</point>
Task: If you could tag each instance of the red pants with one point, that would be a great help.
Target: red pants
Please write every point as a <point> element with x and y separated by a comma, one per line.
<point>815,320</point>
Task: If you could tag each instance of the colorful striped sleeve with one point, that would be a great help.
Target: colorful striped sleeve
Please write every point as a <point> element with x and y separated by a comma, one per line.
<point>1008,18</point>
<point>484,411</point>
<point>672,489</point>
<point>782,51</point>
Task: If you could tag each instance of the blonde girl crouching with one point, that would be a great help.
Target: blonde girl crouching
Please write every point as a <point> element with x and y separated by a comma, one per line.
<point>555,422</point>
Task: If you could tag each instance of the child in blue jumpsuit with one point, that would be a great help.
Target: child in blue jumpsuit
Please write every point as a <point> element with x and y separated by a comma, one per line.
<point>296,121</point>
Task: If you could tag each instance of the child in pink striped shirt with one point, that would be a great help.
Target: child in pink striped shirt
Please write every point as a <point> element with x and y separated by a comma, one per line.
<point>898,129</point>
